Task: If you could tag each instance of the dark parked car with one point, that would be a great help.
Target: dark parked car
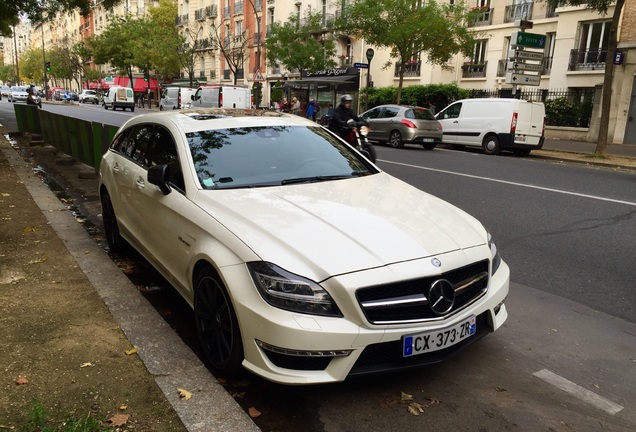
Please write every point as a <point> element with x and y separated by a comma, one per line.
<point>70,96</point>
<point>399,125</point>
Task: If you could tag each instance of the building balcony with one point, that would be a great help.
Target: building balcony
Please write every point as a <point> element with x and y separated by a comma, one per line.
<point>592,59</point>
<point>211,11</point>
<point>483,18</point>
<point>199,14</point>
<point>521,11</point>
<point>411,69</point>
<point>182,19</point>
<point>204,44</point>
<point>474,70</point>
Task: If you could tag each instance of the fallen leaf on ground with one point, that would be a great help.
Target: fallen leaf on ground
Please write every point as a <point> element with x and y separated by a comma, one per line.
<point>123,407</point>
<point>37,261</point>
<point>405,397</point>
<point>239,395</point>
<point>253,412</point>
<point>21,380</point>
<point>415,409</point>
<point>118,419</point>
<point>87,364</point>
<point>184,394</point>
<point>433,401</point>
<point>30,229</point>
<point>4,194</point>
<point>131,351</point>
<point>500,389</point>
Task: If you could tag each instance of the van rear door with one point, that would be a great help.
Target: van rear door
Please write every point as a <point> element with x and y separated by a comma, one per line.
<point>530,117</point>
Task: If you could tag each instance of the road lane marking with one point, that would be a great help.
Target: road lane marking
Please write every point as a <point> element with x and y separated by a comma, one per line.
<point>630,203</point>
<point>578,391</point>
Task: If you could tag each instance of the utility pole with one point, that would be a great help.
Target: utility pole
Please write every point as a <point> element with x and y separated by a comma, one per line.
<point>46,80</point>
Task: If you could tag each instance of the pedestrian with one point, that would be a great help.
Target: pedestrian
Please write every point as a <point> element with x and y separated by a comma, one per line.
<point>431,108</point>
<point>285,107</point>
<point>295,106</point>
<point>311,109</point>
<point>141,100</point>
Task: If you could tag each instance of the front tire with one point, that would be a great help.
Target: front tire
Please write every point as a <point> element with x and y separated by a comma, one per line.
<point>491,145</point>
<point>395,139</point>
<point>111,229</point>
<point>217,325</point>
<point>370,150</point>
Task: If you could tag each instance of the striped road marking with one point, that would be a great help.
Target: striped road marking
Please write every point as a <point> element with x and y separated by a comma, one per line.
<point>578,391</point>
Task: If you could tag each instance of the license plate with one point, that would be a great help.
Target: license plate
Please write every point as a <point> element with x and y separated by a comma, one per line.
<point>426,342</point>
<point>428,139</point>
<point>520,138</point>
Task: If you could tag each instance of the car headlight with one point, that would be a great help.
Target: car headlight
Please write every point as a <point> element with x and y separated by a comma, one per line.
<point>291,292</point>
<point>496,258</point>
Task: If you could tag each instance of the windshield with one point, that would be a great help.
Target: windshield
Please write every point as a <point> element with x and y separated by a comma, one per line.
<point>272,156</point>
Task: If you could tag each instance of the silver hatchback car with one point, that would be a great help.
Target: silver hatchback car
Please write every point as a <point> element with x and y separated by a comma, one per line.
<point>401,124</point>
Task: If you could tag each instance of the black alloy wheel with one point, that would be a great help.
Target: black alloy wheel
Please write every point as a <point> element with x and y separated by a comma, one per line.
<point>111,229</point>
<point>395,139</point>
<point>217,325</point>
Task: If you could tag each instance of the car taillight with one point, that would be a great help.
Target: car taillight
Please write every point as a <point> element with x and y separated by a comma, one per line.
<point>409,123</point>
<point>513,123</point>
<point>220,99</point>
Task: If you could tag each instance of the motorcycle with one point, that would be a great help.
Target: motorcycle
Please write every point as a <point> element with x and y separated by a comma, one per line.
<point>34,99</point>
<point>357,137</point>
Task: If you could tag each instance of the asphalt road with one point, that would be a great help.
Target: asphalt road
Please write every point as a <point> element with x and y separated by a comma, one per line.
<point>566,358</point>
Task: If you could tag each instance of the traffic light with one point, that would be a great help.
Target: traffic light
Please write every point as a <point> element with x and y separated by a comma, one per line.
<point>48,66</point>
<point>146,76</point>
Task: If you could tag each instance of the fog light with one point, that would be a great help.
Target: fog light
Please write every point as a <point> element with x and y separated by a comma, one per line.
<point>302,353</point>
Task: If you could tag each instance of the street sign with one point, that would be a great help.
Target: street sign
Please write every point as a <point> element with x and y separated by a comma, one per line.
<point>258,76</point>
<point>524,66</point>
<point>361,65</point>
<point>522,79</point>
<point>524,55</point>
<point>530,40</point>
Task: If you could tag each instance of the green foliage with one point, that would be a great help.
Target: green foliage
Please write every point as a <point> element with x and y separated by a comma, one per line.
<point>561,112</point>
<point>6,72</point>
<point>277,92</point>
<point>439,95</point>
<point>301,46</point>
<point>39,420</point>
<point>31,65</point>
<point>166,60</point>
<point>411,27</point>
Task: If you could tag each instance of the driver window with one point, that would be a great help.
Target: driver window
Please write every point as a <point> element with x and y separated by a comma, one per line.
<point>453,111</point>
<point>163,151</point>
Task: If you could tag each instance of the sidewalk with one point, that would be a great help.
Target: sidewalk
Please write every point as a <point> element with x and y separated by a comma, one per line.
<point>620,150</point>
<point>76,336</point>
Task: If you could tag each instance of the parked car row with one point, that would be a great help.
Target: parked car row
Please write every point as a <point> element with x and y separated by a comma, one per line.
<point>492,124</point>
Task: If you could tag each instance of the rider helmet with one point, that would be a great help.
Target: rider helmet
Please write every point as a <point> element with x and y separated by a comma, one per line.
<point>346,98</point>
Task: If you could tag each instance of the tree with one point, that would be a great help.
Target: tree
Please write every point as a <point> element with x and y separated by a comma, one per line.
<point>166,60</point>
<point>37,10</point>
<point>305,45</point>
<point>602,7</point>
<point>410,27</point>
<point>119,45</point>
<point>31,65</point>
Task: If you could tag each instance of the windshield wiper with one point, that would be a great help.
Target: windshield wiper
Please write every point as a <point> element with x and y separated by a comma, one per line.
<point>314,179</point>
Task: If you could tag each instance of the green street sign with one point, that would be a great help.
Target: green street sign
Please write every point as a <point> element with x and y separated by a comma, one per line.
<point>530,40</point>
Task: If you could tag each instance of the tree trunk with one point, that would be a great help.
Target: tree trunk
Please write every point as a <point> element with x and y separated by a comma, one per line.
<point>606,99</point>
<point>400,83</point>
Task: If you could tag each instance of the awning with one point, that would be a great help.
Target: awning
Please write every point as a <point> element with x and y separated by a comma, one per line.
<point>339,79</point>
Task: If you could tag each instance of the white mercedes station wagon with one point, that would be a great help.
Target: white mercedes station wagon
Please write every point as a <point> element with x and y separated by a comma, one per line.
<point>304,262</point>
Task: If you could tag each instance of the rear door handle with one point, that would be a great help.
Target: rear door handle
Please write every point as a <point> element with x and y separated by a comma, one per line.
<point>140,183</point>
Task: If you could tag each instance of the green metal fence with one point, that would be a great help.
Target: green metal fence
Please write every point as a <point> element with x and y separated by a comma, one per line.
<point>84,140</point>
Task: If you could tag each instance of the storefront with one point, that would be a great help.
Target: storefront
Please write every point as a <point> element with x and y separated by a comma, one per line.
<point>325,86</point>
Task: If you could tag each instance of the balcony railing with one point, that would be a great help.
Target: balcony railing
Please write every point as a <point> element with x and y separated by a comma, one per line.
<point>211,11</point>
<point>474,70</point>
<point>592,59</point>
<point>202,75</point>
<point>204,44</point>
<point>411,69</point>
<point>521,11</point>
<point>199,14</point>
<point>483,18</point>
<point>182,19</point>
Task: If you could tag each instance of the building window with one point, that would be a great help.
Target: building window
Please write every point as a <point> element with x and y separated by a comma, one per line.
<point>592,47</point>
<point>475,67</point>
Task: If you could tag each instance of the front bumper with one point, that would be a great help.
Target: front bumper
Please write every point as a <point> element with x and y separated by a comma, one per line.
<point>293,348</point>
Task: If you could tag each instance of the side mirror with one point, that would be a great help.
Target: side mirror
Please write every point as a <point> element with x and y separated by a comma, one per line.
<point>158,175</point>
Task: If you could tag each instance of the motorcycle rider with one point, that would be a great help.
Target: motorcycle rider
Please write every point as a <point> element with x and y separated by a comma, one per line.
<point>341,115</point>
<point>32,98</point>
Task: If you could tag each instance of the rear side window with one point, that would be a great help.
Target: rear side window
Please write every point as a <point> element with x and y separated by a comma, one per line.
<point>374,113</point>
<point>390,112</point>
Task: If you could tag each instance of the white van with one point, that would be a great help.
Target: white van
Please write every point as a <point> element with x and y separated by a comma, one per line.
<point>169,98</point>
<point>494,124</point>
<point>185,97</point>
<point>119,97</point>
<point>222,96</point>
